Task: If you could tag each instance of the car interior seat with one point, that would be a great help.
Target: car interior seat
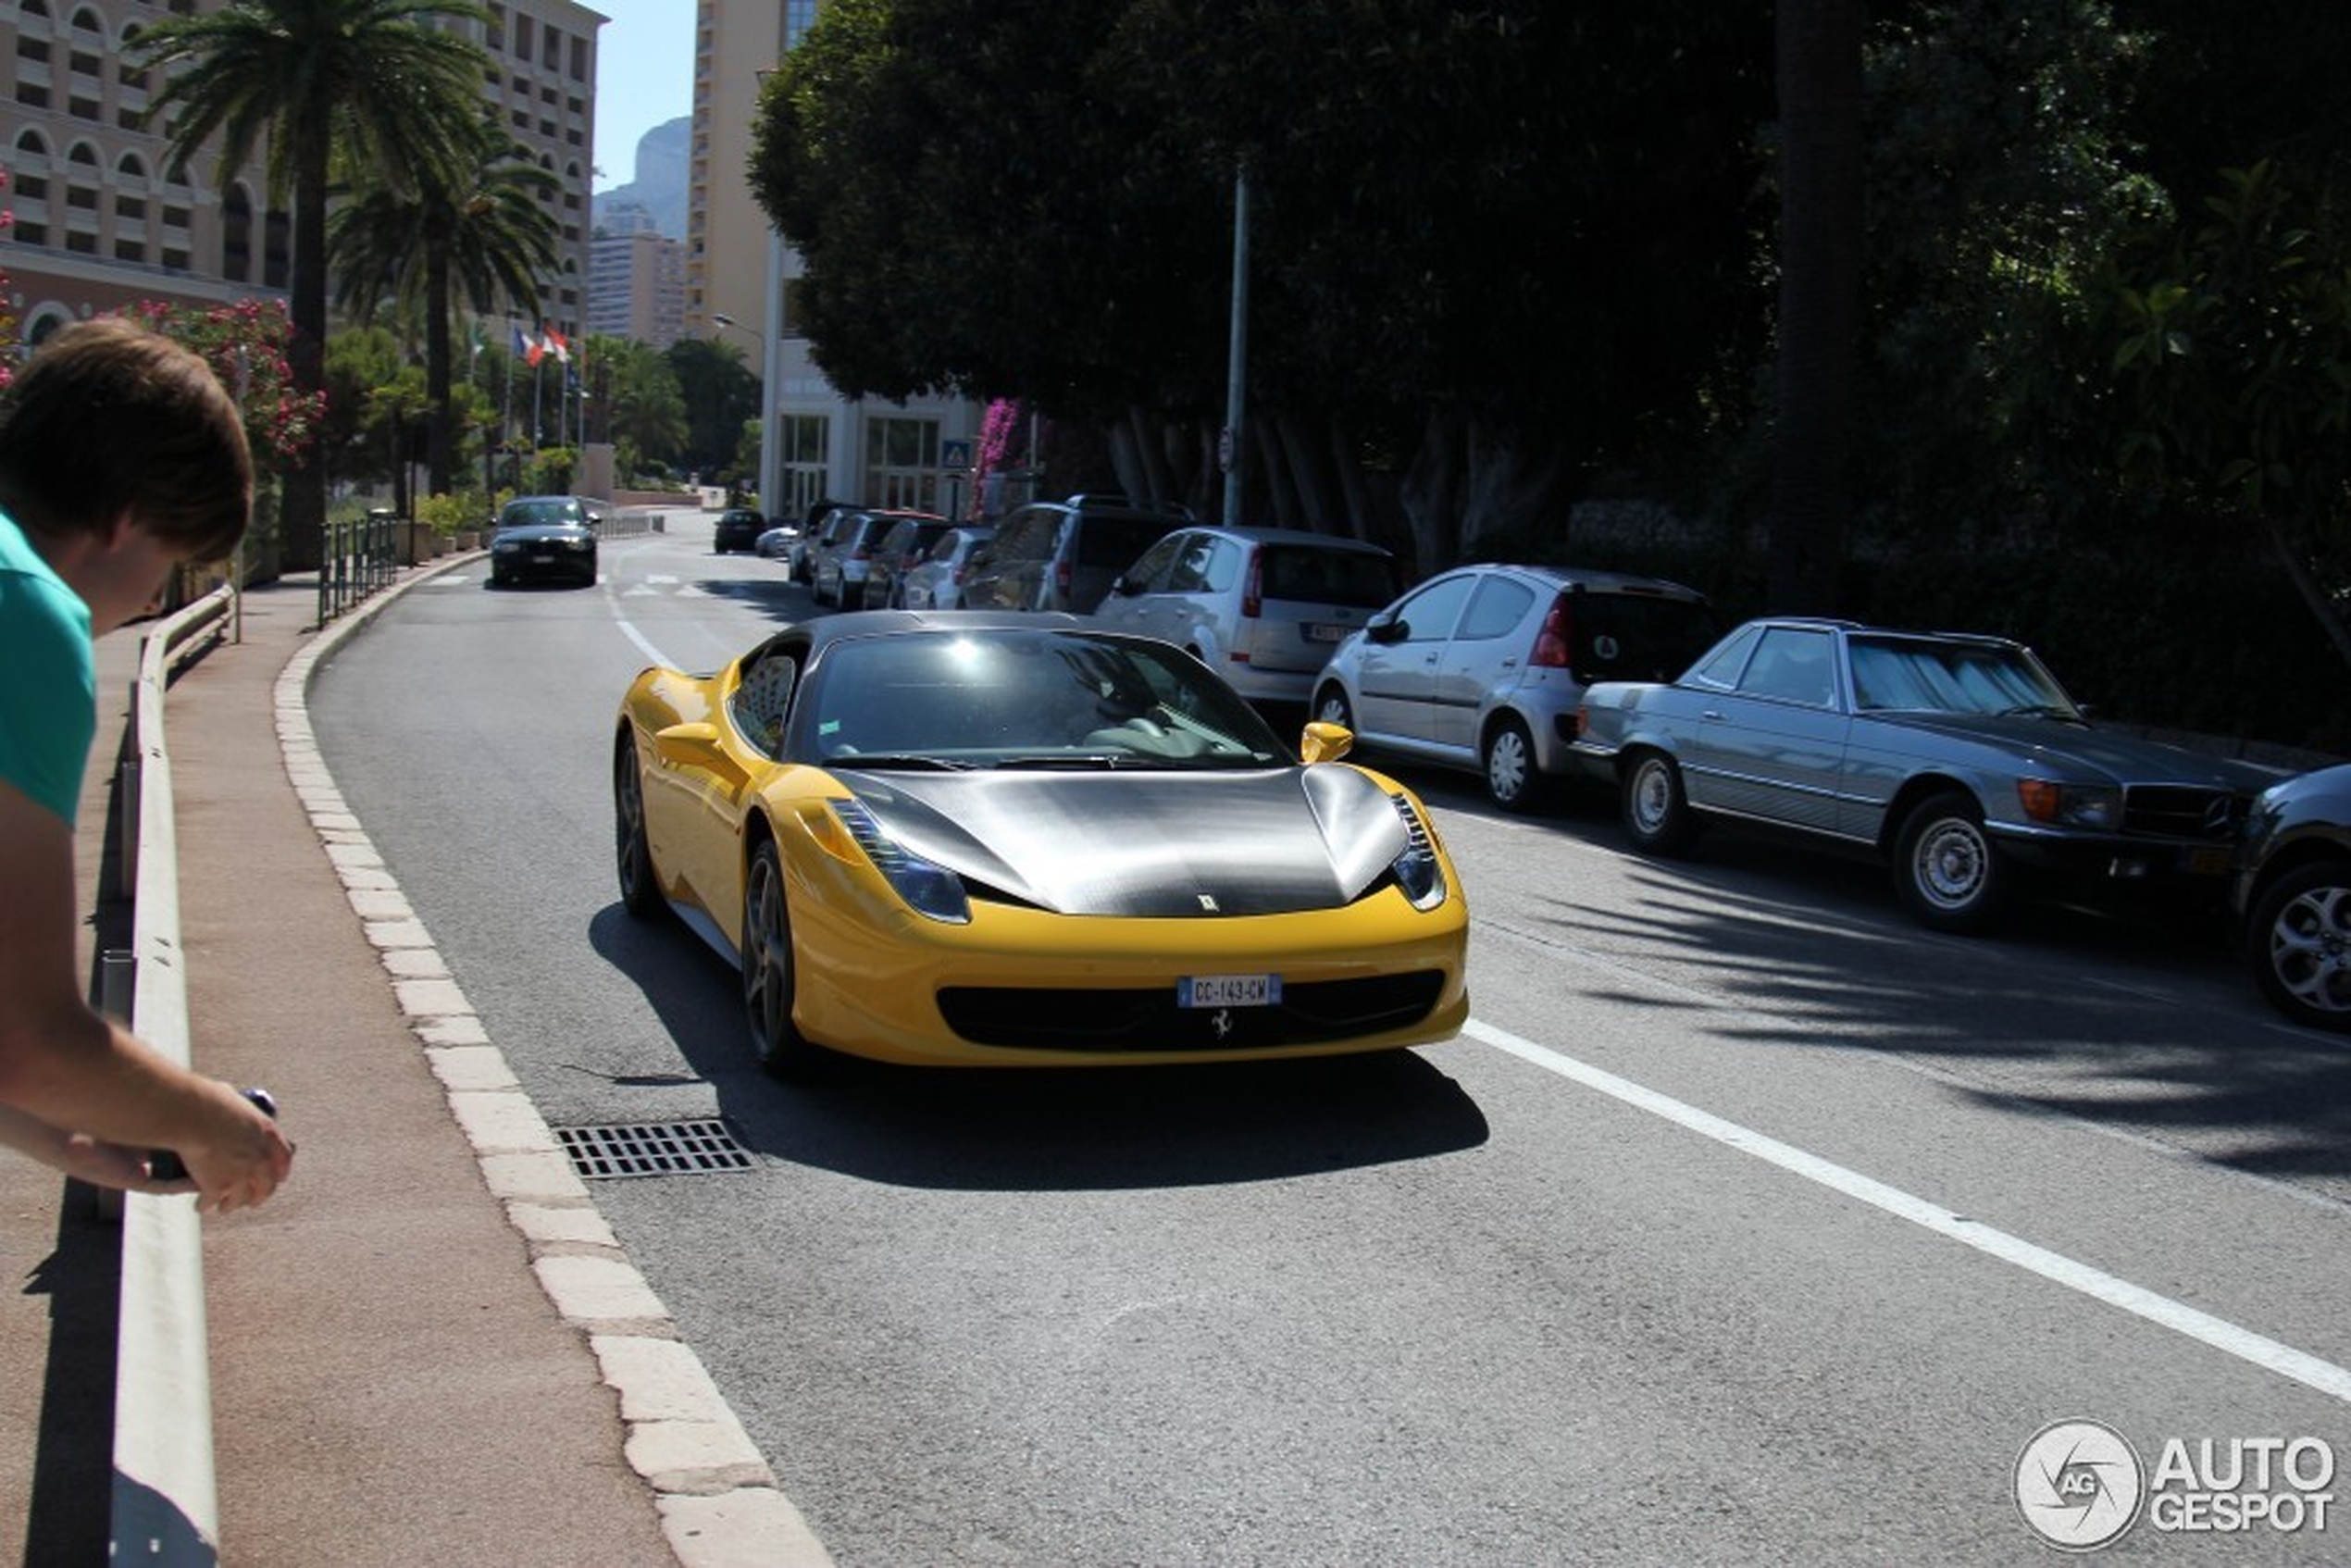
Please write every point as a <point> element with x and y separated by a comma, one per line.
<point>763,699</point>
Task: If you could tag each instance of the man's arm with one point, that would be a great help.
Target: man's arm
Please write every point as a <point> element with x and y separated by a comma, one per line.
<point>68,1070</point>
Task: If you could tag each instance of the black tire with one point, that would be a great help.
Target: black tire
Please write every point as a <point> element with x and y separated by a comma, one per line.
<point>1512,781</point>
<point>1330,707</point>
<point>633,854</point>
<point>1654,806</point>
<point>1947,871</point>
<point>770,973</point>
<point>2298,941</point>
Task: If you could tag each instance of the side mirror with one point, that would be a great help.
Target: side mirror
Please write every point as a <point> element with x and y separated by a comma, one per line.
<point>1325,743</point>
<point>1124,588</point>
<point>692,744</point>
<point>1385,627</point>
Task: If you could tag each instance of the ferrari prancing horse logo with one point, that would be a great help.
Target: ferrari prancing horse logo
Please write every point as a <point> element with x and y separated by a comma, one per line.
<point>1220,1022</point>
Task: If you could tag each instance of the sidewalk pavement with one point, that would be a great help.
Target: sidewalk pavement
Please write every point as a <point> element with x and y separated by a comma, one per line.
<point>408,1365</point>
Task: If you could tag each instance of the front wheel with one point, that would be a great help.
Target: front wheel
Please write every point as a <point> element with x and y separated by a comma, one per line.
<point>2298,942</point>
<point>1946,871</point>
<point>640,886</point>
<point>770,973</point>
<point>1655,807</point>
<point>1330,707</point>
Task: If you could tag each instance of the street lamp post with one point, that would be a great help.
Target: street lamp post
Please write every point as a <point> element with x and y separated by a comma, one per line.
<point>767,356</point>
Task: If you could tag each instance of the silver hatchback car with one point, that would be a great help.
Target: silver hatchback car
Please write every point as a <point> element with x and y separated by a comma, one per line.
<point>1483,668</point>
<point>1262,607</point>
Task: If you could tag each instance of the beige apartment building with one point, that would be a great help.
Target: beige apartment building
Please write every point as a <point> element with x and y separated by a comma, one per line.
<point>816,444</point>
<point>635,279</point>
<point>99,224</point>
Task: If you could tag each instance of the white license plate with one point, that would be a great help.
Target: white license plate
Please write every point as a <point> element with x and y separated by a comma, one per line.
<point>1323,632</point>
<point>1228,990</point>
<point>543,560</point>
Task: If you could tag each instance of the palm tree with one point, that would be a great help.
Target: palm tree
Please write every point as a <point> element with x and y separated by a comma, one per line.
<point>486,232</point>
<point>328,83</point>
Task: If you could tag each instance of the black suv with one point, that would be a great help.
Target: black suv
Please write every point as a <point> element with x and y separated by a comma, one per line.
<point>1064,555</point>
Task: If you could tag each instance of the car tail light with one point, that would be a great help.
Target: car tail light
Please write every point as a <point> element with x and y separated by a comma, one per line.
<point>1253,586</point>
<point>1551,642</point>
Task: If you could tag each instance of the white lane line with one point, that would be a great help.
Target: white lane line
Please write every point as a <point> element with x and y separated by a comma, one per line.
<point>643,646</point>
<point>2228,1338</point>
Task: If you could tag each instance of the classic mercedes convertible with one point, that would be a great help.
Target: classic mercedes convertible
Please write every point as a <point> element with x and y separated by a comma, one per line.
<point>974,838</point>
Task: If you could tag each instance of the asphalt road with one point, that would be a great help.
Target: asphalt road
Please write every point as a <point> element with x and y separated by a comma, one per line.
<point>1747,1224</point>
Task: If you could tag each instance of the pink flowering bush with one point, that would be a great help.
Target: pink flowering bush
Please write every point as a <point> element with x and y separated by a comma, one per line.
<point>245,344</point>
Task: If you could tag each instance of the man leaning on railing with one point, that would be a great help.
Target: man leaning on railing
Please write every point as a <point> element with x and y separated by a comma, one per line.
<point>121,456</point>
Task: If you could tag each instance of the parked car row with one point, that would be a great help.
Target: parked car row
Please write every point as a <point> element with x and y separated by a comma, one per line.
<point>1957,760</point>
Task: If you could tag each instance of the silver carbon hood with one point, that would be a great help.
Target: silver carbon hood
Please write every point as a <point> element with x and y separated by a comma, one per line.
<point>1268,842</point>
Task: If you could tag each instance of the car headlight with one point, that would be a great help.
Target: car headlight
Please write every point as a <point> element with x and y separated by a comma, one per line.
<point>2097,807</point>
<point>929,888</point>
<point>504,546</point>
<point>1417,870</point>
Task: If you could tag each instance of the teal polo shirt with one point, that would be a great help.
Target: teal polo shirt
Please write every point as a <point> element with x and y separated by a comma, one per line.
<point>49,702</point>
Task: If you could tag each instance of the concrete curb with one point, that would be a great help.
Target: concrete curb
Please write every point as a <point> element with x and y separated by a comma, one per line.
<point>718,1501</point>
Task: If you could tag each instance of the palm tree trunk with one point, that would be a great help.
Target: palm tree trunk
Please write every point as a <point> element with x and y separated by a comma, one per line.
<point>304,516</point>
<point>437,369</point>
<point>1820,90</point>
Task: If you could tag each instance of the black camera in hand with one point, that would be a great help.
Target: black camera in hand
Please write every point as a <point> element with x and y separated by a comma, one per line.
<point>165,1164</point>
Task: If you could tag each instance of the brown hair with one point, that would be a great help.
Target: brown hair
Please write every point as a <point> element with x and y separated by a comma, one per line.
<point>109,417</point>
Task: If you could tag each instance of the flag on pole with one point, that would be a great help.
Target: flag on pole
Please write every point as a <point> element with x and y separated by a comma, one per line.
<point>527,345</point>
<point>556,346</point>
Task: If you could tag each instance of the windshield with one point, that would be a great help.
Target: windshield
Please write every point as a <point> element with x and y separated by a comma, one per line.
<point>1015,697</point>
<point>537,514</point>
<point>1959,678</point>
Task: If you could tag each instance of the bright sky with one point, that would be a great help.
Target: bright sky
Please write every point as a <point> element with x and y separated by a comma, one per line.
<point>644,78</point>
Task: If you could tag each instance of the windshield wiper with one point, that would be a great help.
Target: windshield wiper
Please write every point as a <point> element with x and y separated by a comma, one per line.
<point>1095,761</point>
<point>910,761</point>
<point>2041,710</point>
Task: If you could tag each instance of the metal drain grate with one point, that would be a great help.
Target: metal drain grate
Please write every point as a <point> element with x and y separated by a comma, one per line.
<point>653,1148</point>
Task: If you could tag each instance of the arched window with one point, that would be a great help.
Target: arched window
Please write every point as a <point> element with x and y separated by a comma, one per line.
<point>276,249</point>
<point>236,235</point>
<point>84,180</point>
<point>133,205</point>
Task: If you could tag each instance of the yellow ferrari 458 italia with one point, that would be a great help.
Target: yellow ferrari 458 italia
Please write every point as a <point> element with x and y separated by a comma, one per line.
<point>974,838</point>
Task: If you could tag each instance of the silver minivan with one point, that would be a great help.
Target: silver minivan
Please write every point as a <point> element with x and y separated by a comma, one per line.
<point>1483,668</point>
<point>1262,607</point>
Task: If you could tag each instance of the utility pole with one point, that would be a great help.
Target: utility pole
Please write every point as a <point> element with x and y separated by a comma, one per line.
<point>1234,445</point>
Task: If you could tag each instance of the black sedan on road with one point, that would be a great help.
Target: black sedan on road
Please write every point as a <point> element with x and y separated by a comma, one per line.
<point>2294,891</point>
<point>738,528</point>
<point>542,538</point>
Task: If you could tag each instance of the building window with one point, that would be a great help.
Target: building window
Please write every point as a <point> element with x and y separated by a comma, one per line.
<point>799,16</point>
<point>901,463</point>
<point>799,476</point>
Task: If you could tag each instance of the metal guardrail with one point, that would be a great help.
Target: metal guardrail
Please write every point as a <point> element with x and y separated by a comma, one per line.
<point>621,523</point>
<point>165,1508</point>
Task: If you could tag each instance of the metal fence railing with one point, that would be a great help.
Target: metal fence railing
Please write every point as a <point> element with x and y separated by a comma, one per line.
<point>362,556</point>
